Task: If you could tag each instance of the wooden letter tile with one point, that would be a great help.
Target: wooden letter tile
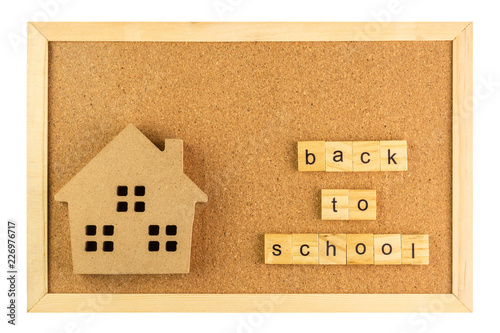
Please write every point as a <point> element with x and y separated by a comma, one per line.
<point>335,204</point>
<point>338,156</point>
<point>365,155</point>
<point>278,249</point>
<point>311,155</point>
<point>393,156</point>
<point>387,249</point>
<point>332,249</point>
<point>415,249</point>
<point>359,249</point>
<point>362,205</point>
<point>305,249</point>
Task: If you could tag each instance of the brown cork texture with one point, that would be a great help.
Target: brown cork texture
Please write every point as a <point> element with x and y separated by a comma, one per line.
<point>240,109</point>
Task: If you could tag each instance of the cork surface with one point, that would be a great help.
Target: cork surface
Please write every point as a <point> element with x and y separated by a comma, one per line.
<point>241,108</point>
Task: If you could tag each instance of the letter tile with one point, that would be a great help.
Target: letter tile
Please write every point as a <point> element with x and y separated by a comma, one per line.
<point>335,204</point>
<point>338,156</point>
<point>387,249</point>
<point>278,248</point>
<point>366,156</point>
<point>332,249</point>
<point>362,205</point>
<point>305,249</point>
<point>393,156</point>
<point>415,249</point>
<point>360,249</point>
<point>311,155</point>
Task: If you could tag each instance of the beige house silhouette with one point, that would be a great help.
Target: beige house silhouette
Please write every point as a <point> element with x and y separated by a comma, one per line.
<point>131,209</point>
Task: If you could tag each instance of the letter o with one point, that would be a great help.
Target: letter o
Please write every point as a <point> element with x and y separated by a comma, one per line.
<point>357,248</point>
<point>359,205</point>
<point>390,249</point>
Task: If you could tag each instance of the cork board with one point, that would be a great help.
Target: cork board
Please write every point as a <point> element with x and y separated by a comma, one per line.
<point>240,108</point>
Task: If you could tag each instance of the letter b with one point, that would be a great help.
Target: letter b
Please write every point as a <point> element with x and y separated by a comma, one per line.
<point>310,157</point>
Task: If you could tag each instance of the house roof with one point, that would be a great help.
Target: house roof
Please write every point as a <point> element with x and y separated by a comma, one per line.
<point>131,150</point>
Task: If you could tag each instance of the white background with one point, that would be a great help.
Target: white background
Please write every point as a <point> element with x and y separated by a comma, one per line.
<point>13,18</point>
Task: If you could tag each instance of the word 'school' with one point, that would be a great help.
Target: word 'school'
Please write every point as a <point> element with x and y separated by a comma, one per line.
<point>350,249</point>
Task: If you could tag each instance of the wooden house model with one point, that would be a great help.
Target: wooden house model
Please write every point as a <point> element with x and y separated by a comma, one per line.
<point>131,209</point>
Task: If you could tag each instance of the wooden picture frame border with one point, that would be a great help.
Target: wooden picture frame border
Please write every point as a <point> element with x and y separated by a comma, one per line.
<point>39,36</point>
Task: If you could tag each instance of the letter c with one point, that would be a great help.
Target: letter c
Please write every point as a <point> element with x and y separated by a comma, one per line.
<point>363,160</point>
<point>304,254</point>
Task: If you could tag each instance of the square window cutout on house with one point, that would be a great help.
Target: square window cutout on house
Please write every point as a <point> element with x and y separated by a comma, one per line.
<point>122,206</point>
<point>171,230</point>
<point>140,191</point>
<point>154,230</point>
<point>171,246</point>
<point>90,246</point>
<point>154,246</point>
<point>107,246</point>
<point>90,230</point>
<point>122,191</point>
<point>140,206</point>
<point>108,230</point>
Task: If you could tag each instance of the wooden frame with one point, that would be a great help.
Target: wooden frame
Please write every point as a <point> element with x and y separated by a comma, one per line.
<point>40,34</point>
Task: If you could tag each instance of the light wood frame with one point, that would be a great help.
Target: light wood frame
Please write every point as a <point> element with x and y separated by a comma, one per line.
<point>40,34</point>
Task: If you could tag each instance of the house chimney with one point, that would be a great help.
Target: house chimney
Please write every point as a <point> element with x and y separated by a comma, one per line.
<point>173,153</point>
